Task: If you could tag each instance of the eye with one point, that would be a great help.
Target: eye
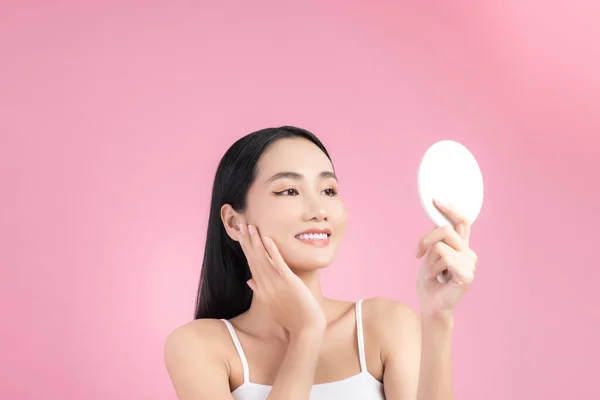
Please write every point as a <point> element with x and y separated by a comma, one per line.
<point>293,192</point>
<point>287,192</point>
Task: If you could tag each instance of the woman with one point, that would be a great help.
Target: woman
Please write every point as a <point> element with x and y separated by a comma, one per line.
<point>264,330</point>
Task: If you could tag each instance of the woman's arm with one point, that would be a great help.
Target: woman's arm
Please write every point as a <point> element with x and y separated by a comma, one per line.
<point>297,371</point>
<point>444,248</point>
<point>415,354</point>
<point>199,372</point>
<point>435,376</point>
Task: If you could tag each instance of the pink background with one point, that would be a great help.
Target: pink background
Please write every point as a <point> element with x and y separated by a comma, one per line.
<point>114,116</point>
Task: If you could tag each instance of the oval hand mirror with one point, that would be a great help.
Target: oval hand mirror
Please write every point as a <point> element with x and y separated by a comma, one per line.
<point>449,173</point>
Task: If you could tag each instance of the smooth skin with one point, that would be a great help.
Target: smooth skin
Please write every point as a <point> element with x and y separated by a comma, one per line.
<point>292,335</point>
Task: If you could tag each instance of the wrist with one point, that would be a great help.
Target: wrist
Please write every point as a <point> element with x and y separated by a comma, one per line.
<point>306,341</point>
<point>308,333</point>
<point>437,320</point>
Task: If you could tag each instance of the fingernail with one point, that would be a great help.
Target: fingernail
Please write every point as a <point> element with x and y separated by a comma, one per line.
<point>268,242</point>
<point>251,230</point>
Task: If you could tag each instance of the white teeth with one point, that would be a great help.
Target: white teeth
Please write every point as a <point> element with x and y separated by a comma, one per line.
<point>312,236</point>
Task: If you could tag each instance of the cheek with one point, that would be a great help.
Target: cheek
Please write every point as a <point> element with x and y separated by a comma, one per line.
<point>277,209</point>
<point>272,226</point>
<point>263,214</point>
<point>339,219</point>
<point>277,219</point>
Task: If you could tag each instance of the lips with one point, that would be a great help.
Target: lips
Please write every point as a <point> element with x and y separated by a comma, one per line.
<point>315,237</point>
<point>315,230</point>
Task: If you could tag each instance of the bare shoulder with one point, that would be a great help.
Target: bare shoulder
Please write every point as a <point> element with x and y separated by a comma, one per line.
<point>391,321</point>
<point>387,313</point>
<point>196,333</point>
<point>195,358</point>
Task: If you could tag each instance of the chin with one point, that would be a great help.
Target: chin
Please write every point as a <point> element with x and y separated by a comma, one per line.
<point>306,258</point>
<point>310,265</point>
<point>310,262</point>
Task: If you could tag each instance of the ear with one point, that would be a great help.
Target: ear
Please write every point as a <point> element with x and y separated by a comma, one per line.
<point>231,219</point>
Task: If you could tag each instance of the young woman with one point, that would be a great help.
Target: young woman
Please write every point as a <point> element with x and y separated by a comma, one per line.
<point>264,330</point>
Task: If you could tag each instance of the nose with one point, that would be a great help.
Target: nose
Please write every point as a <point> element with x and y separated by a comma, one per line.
<point>315,210</point>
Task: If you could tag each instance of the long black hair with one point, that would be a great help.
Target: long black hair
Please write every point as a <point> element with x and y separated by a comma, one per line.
<point>222,291</point>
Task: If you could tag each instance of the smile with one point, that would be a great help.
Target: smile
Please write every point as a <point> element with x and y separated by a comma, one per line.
<point>314,239</point>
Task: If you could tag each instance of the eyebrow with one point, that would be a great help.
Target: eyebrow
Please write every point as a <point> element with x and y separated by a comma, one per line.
<point>297,176</point>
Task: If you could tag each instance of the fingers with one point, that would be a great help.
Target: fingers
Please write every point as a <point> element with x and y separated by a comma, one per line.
<point>464,230</point>
<point>260,260</point>
<point>245,240</point>
<point>273,251</point>
<point>436,268</point>
<point>461,224</point>
<point>431,256</point>
<point>444,234</point>
<point>440,257</point>
<point>257,244</point>
<point>461,266</point>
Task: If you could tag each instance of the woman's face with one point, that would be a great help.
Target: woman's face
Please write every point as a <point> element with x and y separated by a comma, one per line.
<point>295,191</point>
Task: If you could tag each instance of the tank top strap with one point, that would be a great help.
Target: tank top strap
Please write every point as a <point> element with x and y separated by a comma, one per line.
<point>361,340</point>
<point>238,348</point>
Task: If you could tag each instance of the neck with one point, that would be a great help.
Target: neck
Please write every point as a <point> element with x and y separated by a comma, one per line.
<point>259,313</point>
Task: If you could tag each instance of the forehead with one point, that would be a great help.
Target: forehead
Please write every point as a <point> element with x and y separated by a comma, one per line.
<point>293,154</point>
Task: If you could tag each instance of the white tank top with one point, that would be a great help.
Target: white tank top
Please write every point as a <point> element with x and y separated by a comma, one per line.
<point>362,386</point>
